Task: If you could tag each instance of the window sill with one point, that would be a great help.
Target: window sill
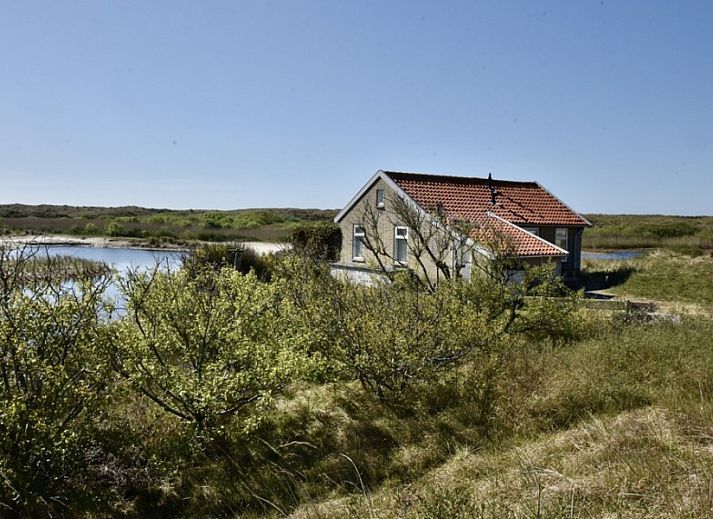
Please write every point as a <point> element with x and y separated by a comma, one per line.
<point>358,260</point>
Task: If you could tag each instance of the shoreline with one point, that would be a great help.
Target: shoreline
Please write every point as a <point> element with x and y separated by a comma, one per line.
<point>101,242</point>
<point>260,248</point>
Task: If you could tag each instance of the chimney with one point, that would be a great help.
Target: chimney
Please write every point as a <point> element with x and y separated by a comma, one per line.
<point>493,191</point>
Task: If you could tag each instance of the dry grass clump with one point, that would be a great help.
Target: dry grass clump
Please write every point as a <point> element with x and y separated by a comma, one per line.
<point>640,463</point>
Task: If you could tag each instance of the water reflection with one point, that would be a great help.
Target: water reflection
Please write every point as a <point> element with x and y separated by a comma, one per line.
<point>122,260</point>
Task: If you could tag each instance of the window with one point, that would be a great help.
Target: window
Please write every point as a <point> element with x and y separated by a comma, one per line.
<point>562,240</point>
<point>533,230</point>
<point>379,198</point>
<point>358,243</point>
<point>400,244</point>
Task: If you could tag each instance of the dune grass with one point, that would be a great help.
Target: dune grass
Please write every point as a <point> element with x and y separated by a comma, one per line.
<point>659,275</point>
<point>618,425</point>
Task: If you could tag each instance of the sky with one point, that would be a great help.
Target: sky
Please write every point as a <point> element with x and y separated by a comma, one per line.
<point>237,104</point>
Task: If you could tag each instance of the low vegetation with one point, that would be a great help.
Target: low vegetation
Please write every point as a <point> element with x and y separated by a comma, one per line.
<point>227,394</point>
<point>692,235</point>
<point>157,226</point>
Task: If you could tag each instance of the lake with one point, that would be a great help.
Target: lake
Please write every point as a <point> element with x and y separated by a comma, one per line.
<point>618,255</point>
<point>121,259</point>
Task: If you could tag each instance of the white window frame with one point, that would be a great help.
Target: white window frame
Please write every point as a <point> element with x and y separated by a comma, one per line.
<point>397,238</point>
<point>380,199</point>
<point>358,236</point>
<point>562,240</point>
<point>533,230</point>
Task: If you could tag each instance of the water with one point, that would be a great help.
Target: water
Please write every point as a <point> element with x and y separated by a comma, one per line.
<point>123,260</point>
<point>619,255</point>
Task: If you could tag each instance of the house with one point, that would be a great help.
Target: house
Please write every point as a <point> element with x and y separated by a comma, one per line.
<point>436,225</point>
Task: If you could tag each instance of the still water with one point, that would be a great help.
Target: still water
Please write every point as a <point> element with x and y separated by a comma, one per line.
<point>123,260</point>
<point>618,255</point>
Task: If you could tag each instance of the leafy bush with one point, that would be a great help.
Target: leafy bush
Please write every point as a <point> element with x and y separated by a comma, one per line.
<point>207,257</point>
<point>206,348</point>
<point>318,240</point>
<point>392,337</point>
<point>53,379</point>
<point>114,229</point>
<point>91,229</point>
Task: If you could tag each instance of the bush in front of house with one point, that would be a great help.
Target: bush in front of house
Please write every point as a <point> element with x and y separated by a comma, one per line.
<point>318,240</point>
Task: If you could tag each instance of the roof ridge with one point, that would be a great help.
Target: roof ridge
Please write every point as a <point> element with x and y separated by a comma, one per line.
<point>458,177</point>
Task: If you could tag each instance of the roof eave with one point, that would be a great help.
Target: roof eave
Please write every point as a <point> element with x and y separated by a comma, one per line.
<point>562,252</point>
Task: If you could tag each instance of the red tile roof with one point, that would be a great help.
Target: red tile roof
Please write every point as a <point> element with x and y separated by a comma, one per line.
<point>468,198</point>
<point>511,240</point>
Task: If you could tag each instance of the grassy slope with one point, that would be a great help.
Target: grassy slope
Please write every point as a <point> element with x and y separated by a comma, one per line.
<point>659,276</point>
<point>620,425</point>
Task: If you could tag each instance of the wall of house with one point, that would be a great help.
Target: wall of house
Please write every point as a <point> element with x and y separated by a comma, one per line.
<point>388,220</point>
<point>574,238</point>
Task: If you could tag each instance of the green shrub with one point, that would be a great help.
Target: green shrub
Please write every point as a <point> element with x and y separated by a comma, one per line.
<point>91,229</point>
<point>53,383</point>
<point>317,240</point>
<point>206,348</point>
<point>114,229</point>
<point>207,257</point>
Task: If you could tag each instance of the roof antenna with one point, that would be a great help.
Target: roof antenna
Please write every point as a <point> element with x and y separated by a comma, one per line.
<point>493,191</point>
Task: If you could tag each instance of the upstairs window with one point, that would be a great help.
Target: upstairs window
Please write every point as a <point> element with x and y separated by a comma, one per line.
<point>562,239</point>
<point>358,243</point>
<point>401,244</point>
<point>379,198</point>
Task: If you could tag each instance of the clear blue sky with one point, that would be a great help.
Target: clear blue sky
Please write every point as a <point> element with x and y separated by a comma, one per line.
<point>208,104</point>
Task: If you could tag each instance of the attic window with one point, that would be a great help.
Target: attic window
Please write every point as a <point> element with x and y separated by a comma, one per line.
<point>533,230</point>
<point>380,198</point>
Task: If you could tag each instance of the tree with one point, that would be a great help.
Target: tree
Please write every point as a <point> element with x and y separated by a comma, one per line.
<point>51,378</point>
<point>114,229</point>
<point>206,346</point>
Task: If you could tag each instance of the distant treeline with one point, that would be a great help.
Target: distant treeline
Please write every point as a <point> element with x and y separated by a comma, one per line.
<point>157,225</point>
<point>687,234</point>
